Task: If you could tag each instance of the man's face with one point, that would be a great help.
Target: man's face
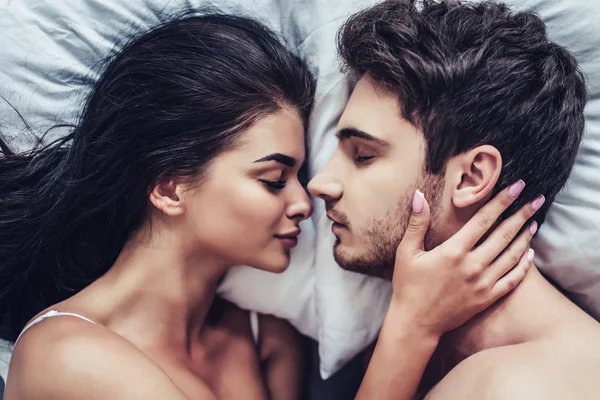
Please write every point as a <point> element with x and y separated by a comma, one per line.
<point>369,183</point>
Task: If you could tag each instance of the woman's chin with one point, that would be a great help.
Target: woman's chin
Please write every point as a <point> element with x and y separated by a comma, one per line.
<point>275,263</point>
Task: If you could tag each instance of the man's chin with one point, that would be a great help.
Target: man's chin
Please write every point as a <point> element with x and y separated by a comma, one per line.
<point>362,265</point>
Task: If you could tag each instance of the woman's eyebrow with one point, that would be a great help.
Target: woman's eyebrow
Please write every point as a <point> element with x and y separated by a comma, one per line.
<point>280,158</point>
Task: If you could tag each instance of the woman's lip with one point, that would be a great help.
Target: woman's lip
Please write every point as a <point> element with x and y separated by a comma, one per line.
<point>292,234</point>
<point>290,241</point>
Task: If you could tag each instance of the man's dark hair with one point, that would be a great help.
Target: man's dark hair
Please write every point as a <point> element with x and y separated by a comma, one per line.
<point>473,74</point>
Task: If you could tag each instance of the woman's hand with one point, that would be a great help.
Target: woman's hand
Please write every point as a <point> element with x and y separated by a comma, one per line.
<point>438,290</point>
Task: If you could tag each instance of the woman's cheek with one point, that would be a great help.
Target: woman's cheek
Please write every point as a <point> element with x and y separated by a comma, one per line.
<point>261,208</point>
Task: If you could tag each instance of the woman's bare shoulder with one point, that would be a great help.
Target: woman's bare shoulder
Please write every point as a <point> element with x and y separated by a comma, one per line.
<point>69,358</point>
<point>278,338</point>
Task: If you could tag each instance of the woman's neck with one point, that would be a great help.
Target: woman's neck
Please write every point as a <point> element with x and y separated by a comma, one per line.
<point>158,293</point>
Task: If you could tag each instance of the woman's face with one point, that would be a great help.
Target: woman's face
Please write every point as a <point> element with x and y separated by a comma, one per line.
<point>248,207</point>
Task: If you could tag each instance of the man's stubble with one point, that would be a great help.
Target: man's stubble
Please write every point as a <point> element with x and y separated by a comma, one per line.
<point>383,234</point>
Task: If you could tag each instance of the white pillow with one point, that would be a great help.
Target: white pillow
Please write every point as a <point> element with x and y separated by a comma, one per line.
<point>350,307</point>
<point>50,50</point>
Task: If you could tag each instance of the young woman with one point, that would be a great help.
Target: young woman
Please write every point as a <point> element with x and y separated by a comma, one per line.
<point>185,162</point>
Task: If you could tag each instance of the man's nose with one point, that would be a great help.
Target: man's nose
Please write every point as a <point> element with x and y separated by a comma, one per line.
<point>324,186</point>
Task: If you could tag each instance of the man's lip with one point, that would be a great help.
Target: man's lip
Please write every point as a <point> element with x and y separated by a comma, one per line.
<point>334,220</point>
<point>337,228</point>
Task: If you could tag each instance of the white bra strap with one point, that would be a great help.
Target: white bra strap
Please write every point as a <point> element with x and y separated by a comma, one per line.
<point>51,313</point>
<point>255,326</point>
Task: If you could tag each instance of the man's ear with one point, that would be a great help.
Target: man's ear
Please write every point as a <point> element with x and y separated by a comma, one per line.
<point>167,196</point>
<point>474,175</point>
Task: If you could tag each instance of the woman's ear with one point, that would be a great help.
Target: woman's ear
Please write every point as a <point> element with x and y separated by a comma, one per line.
<point>475,174</point>
<point>166,197</point>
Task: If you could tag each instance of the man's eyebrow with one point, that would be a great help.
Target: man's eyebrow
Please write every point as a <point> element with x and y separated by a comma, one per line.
<point>347,133</point>
<point>280,158</point>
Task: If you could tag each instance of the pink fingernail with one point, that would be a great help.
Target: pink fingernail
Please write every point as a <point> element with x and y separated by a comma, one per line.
<point>418,202</point>
<point>516,188</point>
<point>533,228</point>
<point>538,202</point>
<point>530,255</point>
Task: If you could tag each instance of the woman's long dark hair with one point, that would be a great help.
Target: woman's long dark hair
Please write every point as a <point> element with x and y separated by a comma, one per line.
<point>167,103</point>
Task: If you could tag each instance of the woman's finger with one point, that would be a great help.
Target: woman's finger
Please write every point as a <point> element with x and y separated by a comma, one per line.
<point>504,234</point>
<point>511,256</point>
<point>468,236</point>
<point>418,224</point>
<point>512,279</point>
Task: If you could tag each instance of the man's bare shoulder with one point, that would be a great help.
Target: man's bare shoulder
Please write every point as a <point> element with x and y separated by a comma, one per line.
<point>525,371</point>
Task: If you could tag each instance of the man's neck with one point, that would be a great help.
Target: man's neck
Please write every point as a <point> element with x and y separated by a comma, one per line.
<point>534,310</point>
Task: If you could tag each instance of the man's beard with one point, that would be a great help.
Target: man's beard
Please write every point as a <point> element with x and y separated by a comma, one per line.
<point>383,234</point>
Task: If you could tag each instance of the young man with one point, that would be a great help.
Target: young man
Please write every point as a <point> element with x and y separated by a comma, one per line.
<point>459,101</point>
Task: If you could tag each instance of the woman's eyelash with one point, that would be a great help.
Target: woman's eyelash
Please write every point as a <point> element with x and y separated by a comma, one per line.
<point>362,159</point>
<point>277,185</point>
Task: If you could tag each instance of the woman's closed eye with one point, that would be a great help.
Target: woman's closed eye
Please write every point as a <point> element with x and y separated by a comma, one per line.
<point>362,158</point>
<point>274,180</point>
<point>274,185</point>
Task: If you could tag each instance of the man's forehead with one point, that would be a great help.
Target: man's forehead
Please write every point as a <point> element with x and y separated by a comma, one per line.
<point>375,111</point>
